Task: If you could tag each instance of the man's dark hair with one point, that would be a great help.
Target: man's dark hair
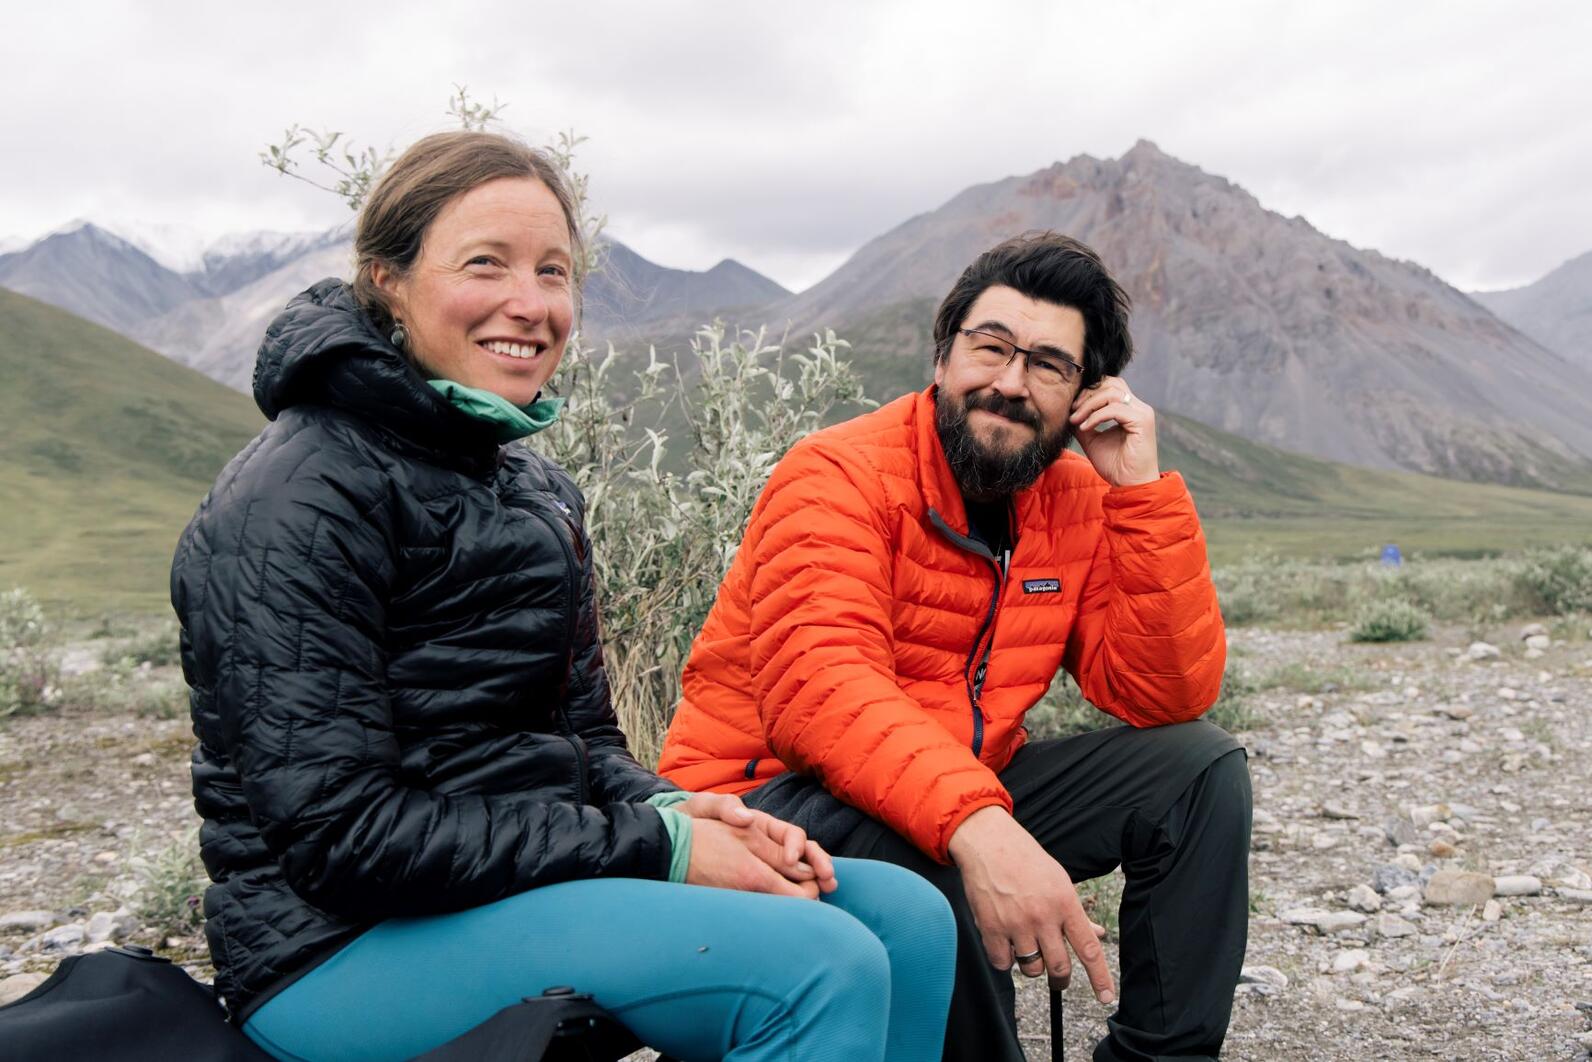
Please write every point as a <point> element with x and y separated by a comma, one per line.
<point>1049,267</point>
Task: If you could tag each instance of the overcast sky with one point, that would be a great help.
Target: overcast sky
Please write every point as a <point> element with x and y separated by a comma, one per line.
<point>786,135</point>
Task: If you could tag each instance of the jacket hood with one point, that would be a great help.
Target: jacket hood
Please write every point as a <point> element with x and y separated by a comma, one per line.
<point>323,350</point>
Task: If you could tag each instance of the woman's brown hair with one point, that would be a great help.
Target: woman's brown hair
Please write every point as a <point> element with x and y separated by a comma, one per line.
<point>432,173</point>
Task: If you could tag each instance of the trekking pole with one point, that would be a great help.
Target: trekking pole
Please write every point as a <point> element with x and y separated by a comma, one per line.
<point>1058,1048</point>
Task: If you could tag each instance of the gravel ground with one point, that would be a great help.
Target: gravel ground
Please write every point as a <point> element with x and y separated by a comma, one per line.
<point>1420,870</point>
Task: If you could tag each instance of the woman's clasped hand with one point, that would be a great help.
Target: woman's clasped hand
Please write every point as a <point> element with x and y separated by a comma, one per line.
<point>734,847</point>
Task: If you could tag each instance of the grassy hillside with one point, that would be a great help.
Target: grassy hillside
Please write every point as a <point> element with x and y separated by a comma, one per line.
<point>105,450</point>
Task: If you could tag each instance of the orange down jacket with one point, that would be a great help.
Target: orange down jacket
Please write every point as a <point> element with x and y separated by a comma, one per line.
<point>861,636</point>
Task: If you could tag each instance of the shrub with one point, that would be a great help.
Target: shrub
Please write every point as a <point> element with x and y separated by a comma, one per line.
<point>1388,620</point>
<point>155,646</point>
<point>29,676</point>
<point>1558,580</point>
<point>170,887</point>
<point>665,531</point>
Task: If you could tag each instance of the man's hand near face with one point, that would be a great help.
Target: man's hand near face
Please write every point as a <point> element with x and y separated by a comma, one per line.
<point>1124,455</point>
<point>1024,902</point>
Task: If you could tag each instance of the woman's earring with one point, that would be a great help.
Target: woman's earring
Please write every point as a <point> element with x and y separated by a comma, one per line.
<point>399,337</point>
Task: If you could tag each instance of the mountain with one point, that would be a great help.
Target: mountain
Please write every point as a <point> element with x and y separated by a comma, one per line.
<point>1556,311</point>
<point>1255,323</point>
<point>219,335</point>
<point>105,450</point>
<point>630,290</point>
<point>95,274</point>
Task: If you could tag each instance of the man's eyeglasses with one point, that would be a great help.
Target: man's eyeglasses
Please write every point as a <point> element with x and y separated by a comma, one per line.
<point>1045,371</point>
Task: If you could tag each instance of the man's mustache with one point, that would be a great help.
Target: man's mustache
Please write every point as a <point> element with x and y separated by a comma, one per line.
<point>998,404</point>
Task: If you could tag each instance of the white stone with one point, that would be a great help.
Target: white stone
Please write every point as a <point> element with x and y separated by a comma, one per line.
<point>1539,641</point>
<point>1492,911</point>
<point>1392,926</point>
<point>31,921</point>
<point>1364,898</point>
<point>1517,885</point>
<point>1532,630</point>
<point>1482,651</point>
<point>1426,814</point>
<point>1350,960</point>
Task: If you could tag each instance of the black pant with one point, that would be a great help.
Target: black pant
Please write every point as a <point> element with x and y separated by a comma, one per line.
<point>1171,805</point>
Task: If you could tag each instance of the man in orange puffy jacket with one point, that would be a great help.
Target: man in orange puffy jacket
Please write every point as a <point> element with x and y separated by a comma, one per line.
<point>909,583</point>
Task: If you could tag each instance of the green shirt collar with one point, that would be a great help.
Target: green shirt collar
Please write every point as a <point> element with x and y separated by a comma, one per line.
<point>511,421</point>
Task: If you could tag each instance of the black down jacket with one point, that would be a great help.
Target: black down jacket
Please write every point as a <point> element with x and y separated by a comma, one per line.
<point>389,632</point>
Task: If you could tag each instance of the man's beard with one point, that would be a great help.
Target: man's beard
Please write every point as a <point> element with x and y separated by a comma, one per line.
<point>985,474</point>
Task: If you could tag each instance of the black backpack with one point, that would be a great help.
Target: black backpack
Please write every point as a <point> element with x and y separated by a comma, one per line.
<point>128,1004</point>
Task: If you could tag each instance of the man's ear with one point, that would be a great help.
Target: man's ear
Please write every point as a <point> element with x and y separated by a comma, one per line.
<point>939,369</point>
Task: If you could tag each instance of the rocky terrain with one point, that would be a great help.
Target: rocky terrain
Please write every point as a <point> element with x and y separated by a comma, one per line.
<point>1421,876</point>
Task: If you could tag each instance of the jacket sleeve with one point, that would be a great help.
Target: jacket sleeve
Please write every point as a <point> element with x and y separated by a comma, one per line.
<point>289,623</point>
<point>823,662</point>
<point>615,775</point>
<point>1148,644</point>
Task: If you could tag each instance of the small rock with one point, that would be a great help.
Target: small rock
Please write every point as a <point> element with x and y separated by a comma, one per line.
<point>144,759</point>
<point>106,857</point>
<point>1322,841</point>
<point>1574,895</point>
<point>1303,916</point>
<point>1492,911</point>
<point>1532,630</point>
<point>1539,642</point>
<point>1482,651</point>
<point>1330,810</point>
<point>1399,830</point>
<point>1404,893</point>
<point>1365,898</point>
<point>1349,960</point>
<point>1517,885</point>
<point>1441,849</point>
<point>14,988</point>
<point>1338,921</point>
<point>1388,876</point>
<point>1458,888</point>
<point>1262,980</point>
<point>1392,926</point>
<point>64,938</point>
<point>103,926</point>
<point>1408,861</point>
<point>1425,814</point>
<point>1508,693</point>
<point>31,921</point>
<point>1459,712</point>
<point>1533,653</point>
<point>1372,751</point>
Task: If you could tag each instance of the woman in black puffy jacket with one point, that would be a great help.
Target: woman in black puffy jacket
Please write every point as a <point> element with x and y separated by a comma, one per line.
<point>418,805</point>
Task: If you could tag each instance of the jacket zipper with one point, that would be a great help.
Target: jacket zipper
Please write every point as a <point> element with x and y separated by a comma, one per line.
<point>973,677</point>
<point>582,784</point>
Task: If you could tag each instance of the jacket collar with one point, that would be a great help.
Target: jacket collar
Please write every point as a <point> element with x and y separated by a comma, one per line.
<point>323,350</point>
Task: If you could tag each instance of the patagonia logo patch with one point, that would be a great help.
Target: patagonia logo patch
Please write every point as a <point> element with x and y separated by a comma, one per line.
<point>1041,586</point>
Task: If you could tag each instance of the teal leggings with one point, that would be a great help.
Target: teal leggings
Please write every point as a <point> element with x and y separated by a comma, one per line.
<point>697,973</point>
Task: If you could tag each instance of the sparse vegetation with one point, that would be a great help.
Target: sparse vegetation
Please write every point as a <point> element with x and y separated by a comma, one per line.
<point>1559,579</point>
<point>28,673</point>
<point>171,885</point>
<point>1388,620</point>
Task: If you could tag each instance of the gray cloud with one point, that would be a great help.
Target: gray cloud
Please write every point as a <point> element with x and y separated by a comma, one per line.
<point>786,137</point>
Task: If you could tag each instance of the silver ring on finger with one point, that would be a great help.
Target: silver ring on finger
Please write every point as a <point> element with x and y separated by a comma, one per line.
<point>1127,398</point>
<point>1021,959</point>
